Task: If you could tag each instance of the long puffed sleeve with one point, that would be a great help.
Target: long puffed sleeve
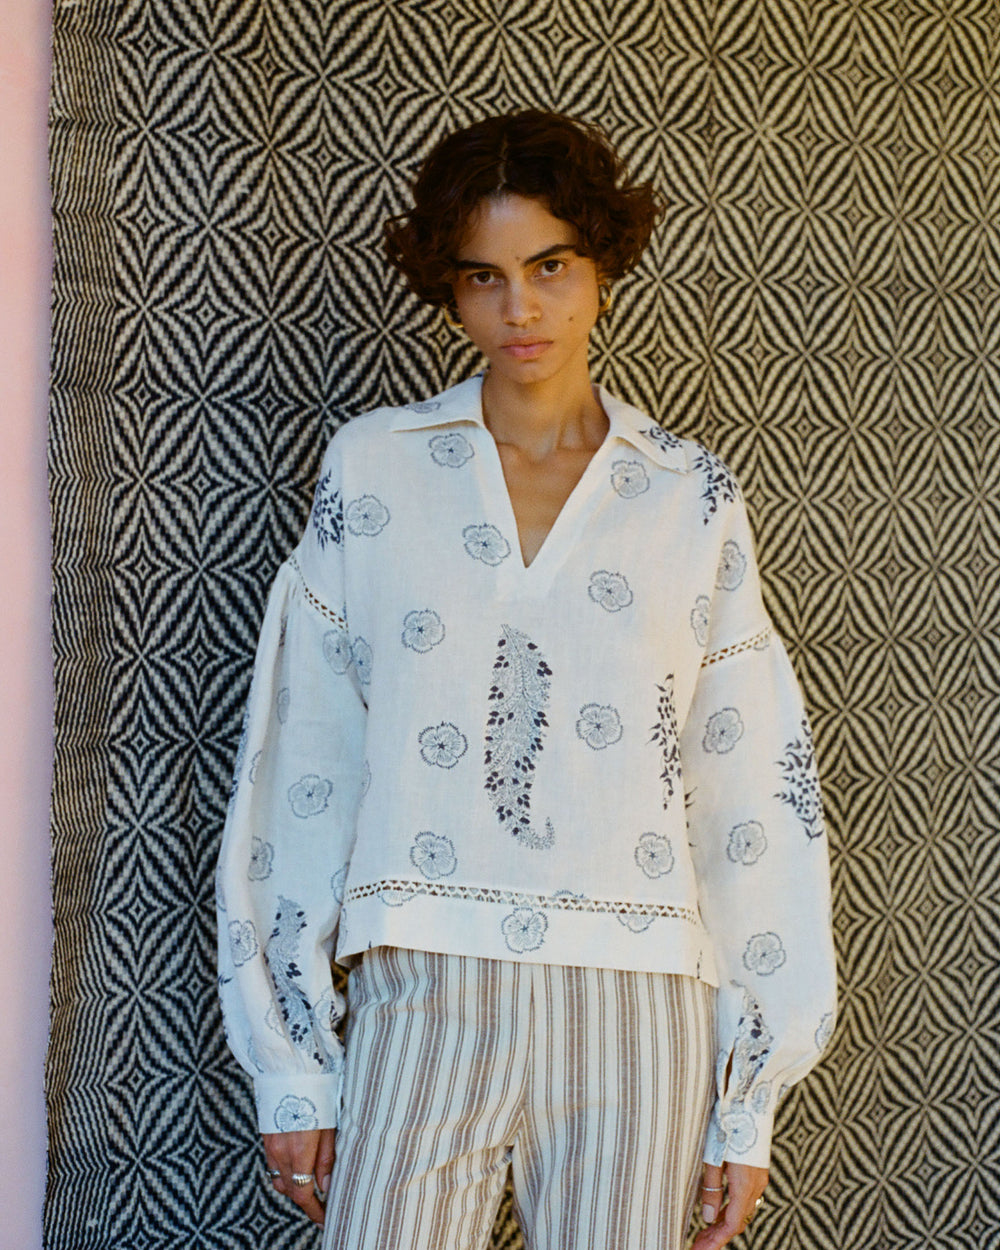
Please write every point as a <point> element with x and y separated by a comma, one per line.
<point>756,828</point>
<point>289,834</point>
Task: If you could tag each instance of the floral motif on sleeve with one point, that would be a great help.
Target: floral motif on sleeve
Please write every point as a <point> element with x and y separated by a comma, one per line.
<point>699,619</point>
<point>450,450</point>
<point>361,654</point>
<point>599,726</point>
<point>739,1129</point>
<point>295,1115</point>
<point>723,731</point>
<point>665,737</point>
<point>654,855</point>
<point>486,543</point>
<point>635,924</point>
<point>764,954</point>
<point>801,781</point>
<point>663,438</point>
<point>424,405</point>
<point>337,883</point>
<point>281,706</point>
<point>732,566</point>
<point>442,745</point>
<point>718,484</point>
<point>328,513</point>
<point>261,859</point>
<point>610,590</point>
<point>310,795</point>
<point>422,630</point>
<point>337,650</point>
<point>434,855</point>
<point>524,929</point>
<point>242,941</point>
<point>629,478</point>
<point>751,1048</point>
<point>515,727</point>
<point>282,954</point>
<point>366,516</point>
<point>825,1031</point>
<point>747,842</point>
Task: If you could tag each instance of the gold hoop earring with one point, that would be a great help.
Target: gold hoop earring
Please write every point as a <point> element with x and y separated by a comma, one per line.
<point>607,295</point>
<point>453,321</point>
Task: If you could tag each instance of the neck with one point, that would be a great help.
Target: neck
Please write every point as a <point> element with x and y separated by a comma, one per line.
<point>544,416</point>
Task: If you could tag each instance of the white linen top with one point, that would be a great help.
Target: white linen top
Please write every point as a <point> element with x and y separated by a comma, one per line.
<point>599,759</point>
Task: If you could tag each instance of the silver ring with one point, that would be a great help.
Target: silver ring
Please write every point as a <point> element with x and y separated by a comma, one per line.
<point>274,1173</point>
<point>711,1189</point>
<point>302,1178</point>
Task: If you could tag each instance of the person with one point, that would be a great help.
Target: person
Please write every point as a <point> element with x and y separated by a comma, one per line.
<point>523,752</point>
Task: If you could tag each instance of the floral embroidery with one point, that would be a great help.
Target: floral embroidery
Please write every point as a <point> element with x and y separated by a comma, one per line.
<point>610,590</point>
<point>801,779</point>
<point>337,650</point>
<point>486,543</point>
<point>599,726</point>
<point>361,654</point>
<point>281,956</point>
<point>524,929</point>
<point>629,478</point>
<point>433,855</point>
<point>747,842</point>
<point>442,745</point>
<point>337,883</point>
<point>242,941</point>
<point>636,924</point>
<point>663,438</point>
<point>739,1130</point>
<point>328,513</point>
<point>654,856</point>
<point>261,859</point>
<point>327,1018</point>
<point>295,1115</point>
<point>764,954</point>
<point>665,737</point>
<point>515,727</point>
<point>395,898</point>
<point>281,704</point>
<point>450,450</point>
<point>732,566</point>
<point>422,630</point>
<point>760,1097</point>
<point>310,795</point>
<point>824,1032</point>
<point>718,483</point>
<point>699,619</point>
<point>752,1046</point>
<point>723,731</point>
<point>366,516</point>
<point>424,405</point>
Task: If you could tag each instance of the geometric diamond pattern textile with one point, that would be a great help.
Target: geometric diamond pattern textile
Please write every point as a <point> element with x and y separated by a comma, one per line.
<point>821,306</point>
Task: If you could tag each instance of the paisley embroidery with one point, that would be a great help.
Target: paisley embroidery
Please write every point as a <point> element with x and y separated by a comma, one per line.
<point>801,793</point>
<point>281,955</point>
<point>718,484</point>
<point>515,727</point>
<point>328,513</point>
<point>665,737</point>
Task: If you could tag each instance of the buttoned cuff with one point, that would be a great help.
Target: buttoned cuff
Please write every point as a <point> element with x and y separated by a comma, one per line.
<point>296,1103</point>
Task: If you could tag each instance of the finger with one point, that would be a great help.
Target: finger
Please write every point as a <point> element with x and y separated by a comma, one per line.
<point>324,1160</point>
<point>711,1192</point>
<point>303,1194</point>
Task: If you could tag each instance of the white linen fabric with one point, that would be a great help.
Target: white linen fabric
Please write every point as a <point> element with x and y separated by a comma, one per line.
<point>601,759</point>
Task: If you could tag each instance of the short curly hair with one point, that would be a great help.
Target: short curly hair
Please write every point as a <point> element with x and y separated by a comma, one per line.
<point>570,164</point>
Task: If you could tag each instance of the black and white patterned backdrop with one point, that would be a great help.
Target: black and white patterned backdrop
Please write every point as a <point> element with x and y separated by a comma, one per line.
<point>822,306</point>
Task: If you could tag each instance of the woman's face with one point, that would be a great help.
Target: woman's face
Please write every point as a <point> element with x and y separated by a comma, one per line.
<point>526,298</point>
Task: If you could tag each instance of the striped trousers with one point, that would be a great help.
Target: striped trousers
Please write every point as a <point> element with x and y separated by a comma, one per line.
<point>592,1085</point>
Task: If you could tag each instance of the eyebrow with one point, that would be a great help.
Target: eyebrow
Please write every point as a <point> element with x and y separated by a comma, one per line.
<point>532,260</point>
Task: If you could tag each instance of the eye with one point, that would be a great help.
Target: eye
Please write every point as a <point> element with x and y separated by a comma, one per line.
<point>479,277</point>
<point>552,266</point>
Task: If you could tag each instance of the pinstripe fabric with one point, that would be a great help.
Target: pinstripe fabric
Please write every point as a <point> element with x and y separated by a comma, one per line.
<point>592,1084</point>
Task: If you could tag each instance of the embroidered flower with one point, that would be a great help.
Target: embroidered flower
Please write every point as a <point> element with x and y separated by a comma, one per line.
<point>337,883</point>
<point>699,619</point>
<point>486,543</point>
<point>337,650</point>
<point>629,478</point>
<point>764,954</point>
<point>395,898</point>
<point>450,450</point>
<point>281,705</point>
<point>636,924</point>
<point>760,1098</point>
<point>295,1115</point>
<point>610,590</point>
<point>723,731</point>
<point>328,513</point>
<point>366,516</point>
<point>524,929</point>
<point>801,793</point>
<point>824,1032</point>
<point>242,941</point>
<point>424,405</point>
<point>732,566</point>
<point>654,855</point>
<point>599,726</point>
<point>361,654</point>
<point>752,1046</point>
<point>740,1130</point>
<point>747,842</point>
<point>310,795</point>
<point>718,484</point>
<point>442,745</point>
<point>662,438</point>
<point>433,855</point>
<point>261,859</point>
<point>422,630</point>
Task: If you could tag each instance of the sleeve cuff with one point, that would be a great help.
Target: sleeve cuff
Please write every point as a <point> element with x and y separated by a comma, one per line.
<point>738,1135</point>
<point>296,1103</point>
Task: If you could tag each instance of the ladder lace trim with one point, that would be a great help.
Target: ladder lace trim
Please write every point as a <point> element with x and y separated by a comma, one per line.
<point>757,642</point>
<point>317,603</point>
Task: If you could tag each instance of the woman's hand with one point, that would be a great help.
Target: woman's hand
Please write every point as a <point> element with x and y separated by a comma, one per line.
<point>745,1186</point>
<point>301,1154</point>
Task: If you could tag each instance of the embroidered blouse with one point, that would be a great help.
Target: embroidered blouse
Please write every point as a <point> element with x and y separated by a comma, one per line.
<point>599,759</point>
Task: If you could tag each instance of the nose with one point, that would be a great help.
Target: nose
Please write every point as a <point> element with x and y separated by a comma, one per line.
<point>520,305</point>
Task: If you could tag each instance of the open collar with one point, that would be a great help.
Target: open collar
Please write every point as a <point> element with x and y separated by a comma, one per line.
<point>463,403</point>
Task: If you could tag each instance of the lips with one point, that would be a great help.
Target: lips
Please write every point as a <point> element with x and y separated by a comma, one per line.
<point>525,349</point>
